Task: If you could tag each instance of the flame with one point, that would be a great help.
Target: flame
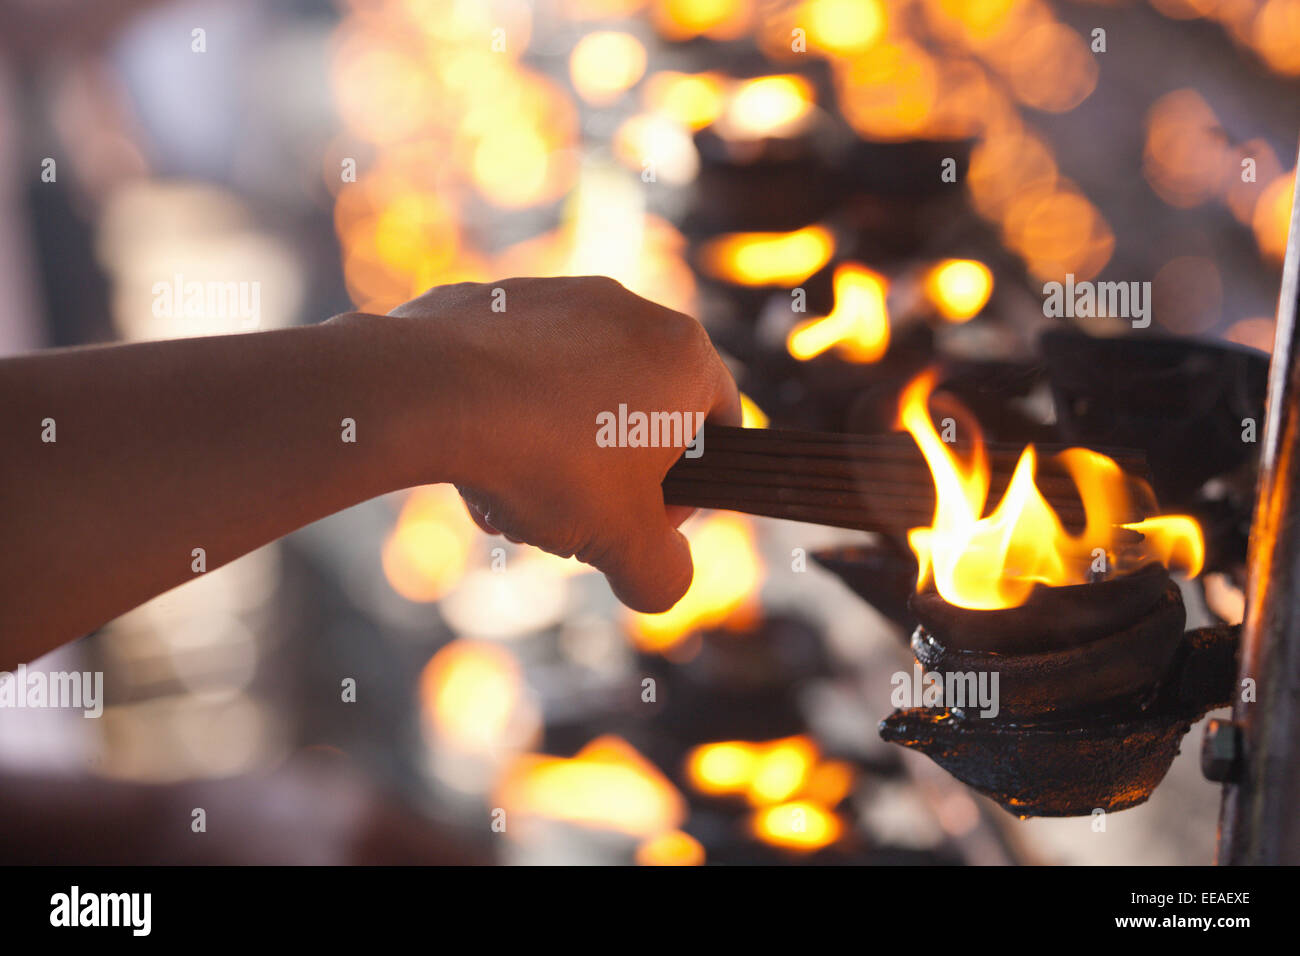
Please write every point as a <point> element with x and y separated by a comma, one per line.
<point>995,561</point>
<point>751,416</point>
<point>728,573</point>
<point>959,288</point>
<point>781,770</point>
<point>768,106</point>
<point>606,785</point>
<point>768,773</point>
<point>793,790</point>
<point>829,783</point>
<point>764,773</point>
<point>799,825</point>
<point>722,768</point>
<point>768,258</point>
<point>673,848</point>
<point>858,326</point>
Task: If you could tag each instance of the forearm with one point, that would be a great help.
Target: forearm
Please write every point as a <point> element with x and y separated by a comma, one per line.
<point>221,443</point>
<point>224,444</point>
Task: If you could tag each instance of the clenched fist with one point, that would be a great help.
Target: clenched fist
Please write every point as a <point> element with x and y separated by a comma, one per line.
<point>531,367</point>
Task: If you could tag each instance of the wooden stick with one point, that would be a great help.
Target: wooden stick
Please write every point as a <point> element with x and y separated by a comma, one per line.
<point>866,482</point>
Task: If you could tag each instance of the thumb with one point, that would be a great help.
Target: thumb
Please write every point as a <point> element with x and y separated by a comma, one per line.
<point>650,568</point>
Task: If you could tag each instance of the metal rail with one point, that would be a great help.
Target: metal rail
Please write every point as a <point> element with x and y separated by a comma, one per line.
<point>1258,752</point>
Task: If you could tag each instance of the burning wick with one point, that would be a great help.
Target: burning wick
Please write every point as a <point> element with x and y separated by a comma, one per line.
<point>993,562</point>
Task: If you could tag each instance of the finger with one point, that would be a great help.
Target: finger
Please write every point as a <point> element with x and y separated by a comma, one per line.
<point>649,568</point>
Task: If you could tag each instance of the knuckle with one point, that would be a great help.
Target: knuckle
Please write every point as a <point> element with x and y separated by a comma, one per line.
<point>688,335</point>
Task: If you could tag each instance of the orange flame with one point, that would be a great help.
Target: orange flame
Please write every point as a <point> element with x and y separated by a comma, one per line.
<point>606,785</point>
<point>751,415</point>
<point>959,288</point>
<point>673,848</point>
<point>793,790</point>
<point>858,326</point>
<point>768,258</point>
<point>765,773</point>
<point>768,106</point>
<point>799,825</point>
<point>995,561</point>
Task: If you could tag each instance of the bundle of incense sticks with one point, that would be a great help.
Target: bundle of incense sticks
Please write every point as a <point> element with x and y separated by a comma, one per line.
<point>868,482</point>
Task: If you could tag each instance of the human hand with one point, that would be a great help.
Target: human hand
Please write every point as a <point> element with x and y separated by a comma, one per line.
<point>529,365</point>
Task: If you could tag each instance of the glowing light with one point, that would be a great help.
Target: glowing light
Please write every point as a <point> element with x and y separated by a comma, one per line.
<point>692,99</point>
<point>799,825</point>
<point>829,783</point>
<point>474,697</point>
<point>651,142</point>
<point>722,768</point>
<point>764,773</point>
<point>606,231</point>
<point>751,415</point>
<point>727,576</point>
<point>1276,36</point>
<point>1257,333</point>
<point>425,555</point>
<point>606,785</point>
<point>959,288</point>
<point>510,166</point>
<point>1050,68</point>
<point>606,64</point>
<point>673,848</point>
<point>1185,157</point>
<point>843,26</point>
<point>858,325</point>
<point>1057,231</point>
<point>718,19</point>
<point>781,770</point>
<point>768,258</point>
<point>889,93</point>
<point>1004,166</point>
<point>768,106</point>
<point>1272,219</point>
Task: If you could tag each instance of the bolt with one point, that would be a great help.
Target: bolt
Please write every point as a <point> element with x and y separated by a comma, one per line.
<point>1221,751</point>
